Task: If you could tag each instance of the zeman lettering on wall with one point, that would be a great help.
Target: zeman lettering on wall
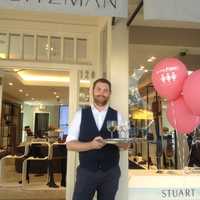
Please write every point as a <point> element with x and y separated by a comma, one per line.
<point>118,8</point>
<point>81,3</point>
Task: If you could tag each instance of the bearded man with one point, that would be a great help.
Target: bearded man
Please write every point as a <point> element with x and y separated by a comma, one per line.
<point>99,162</point>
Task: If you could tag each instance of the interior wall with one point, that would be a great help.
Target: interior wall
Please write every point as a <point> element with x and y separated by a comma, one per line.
<point>28,118</point>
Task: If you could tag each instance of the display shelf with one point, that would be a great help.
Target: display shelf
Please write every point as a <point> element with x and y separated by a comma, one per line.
<point>10,126</point>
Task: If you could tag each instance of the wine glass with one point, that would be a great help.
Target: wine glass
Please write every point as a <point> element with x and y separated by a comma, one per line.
<point>123,129</point>
<point>111,127</point>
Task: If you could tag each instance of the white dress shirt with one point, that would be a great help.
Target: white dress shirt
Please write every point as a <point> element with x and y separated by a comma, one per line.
<point>99,116</point>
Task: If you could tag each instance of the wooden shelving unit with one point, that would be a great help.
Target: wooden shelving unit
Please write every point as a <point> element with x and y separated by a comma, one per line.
<point>10,130</point>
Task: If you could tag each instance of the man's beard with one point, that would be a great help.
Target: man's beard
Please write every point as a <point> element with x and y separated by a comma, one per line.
<point>100,101</point>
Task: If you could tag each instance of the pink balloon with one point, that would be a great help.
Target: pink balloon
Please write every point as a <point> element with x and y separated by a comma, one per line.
<point>168,77</point>
<point>191,92</point>
<point>180,116</point>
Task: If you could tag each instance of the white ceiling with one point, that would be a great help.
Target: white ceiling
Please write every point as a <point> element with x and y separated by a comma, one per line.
<point>139,19</point>
<point>41,94</point>
<point>139,53</point>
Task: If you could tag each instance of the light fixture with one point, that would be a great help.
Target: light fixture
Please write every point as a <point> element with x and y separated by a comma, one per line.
<point>189,72</point>
<point>146,70</point>
<point>141,67</point>
<point>54,93</point>
<point>151,59</point>
<point>46,47</point>
<point>20,90</point>
<point>2,55</point>
<point>33,98</point>
<point>11,84</point>
<point>26,94</point>
<point>57,96</point>
<point>15,70</point>
<point>142,114</point>
<point>84,81</point>
<point>26,76</point>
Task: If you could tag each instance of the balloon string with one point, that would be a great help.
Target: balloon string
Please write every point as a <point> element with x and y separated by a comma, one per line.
<point>178,142</point>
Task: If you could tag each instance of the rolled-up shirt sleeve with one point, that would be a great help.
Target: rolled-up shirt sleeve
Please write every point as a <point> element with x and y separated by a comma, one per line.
<point>74,128</point>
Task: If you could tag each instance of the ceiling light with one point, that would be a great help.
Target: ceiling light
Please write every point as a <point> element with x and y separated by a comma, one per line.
<point>145,70</point>
<point>57,96</point>
<point>43,78</point>
<point>84,81</point>
<point>26,94</point>
<point>54,93</point>
<point>46,47</point>
<point>141,67</point>
<point>151,59</point>
<point>20,90</point>
<point>133,75</point>
<point>11,84</point>
<point>33,98</point>
<point>15,70</point>
<point>2,55</point>
<point>190,72</point>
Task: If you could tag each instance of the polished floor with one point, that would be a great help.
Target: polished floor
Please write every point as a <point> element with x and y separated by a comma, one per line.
<point>37,189</point>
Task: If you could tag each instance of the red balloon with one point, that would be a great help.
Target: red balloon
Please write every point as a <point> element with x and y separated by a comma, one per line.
<point>168,77</point>
<point>191,92</point>
<point>180,116</point>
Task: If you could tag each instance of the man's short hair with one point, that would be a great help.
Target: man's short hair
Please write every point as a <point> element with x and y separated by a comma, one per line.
<point>102,80</point>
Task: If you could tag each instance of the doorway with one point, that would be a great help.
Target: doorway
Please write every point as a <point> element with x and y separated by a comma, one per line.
<point>41,124</point>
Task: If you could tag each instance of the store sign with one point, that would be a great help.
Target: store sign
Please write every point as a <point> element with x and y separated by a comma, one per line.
<point>175,186</point>
<point>179,10</point>
<point>117,8</point>
<point>164,193</point>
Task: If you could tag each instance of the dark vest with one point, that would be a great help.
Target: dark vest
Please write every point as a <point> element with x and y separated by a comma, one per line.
<point>101,159</point>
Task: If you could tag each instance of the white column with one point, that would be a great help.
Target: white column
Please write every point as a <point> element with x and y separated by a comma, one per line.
<point>72,156</point>
<point>1,101</point>
<point>118,73</point>
<point>1,93</point>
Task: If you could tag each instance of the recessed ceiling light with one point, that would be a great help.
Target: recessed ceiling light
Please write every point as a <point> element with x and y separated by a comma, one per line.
<point>151,59</point>
<point>145,70</point>
<point>20,90</point>
<point>10,83</point>
<point>190,72</point>
<point>2,55</point>
<point>26,94</point>
<point>57,96</point>
<point>141,67</point>
<point>55,93</point>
